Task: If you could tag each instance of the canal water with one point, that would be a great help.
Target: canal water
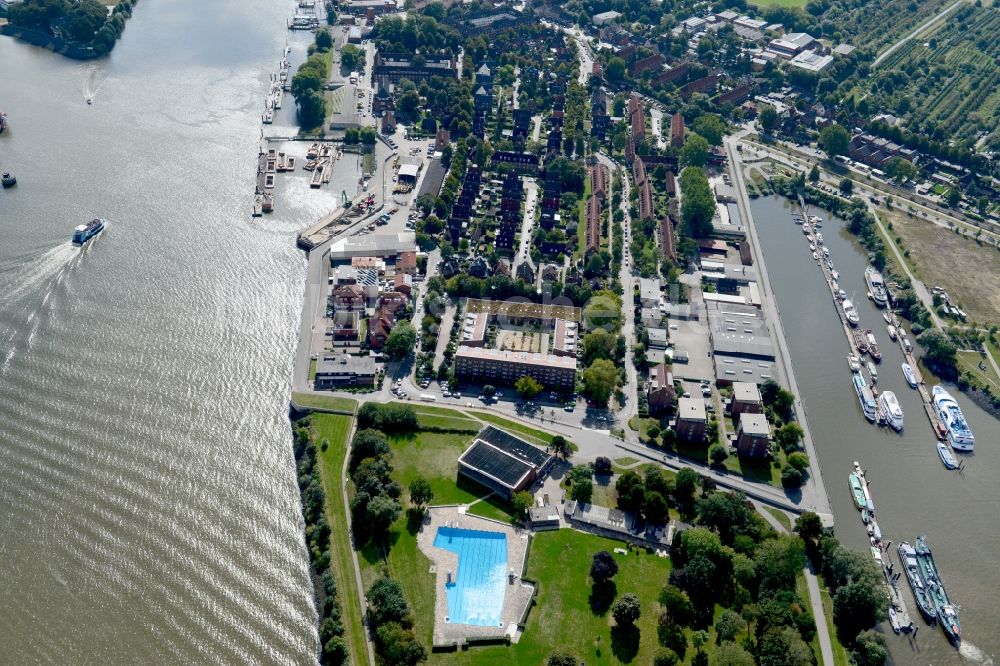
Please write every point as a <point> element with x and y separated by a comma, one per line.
<point>149,503</point>
<point>913,493</point>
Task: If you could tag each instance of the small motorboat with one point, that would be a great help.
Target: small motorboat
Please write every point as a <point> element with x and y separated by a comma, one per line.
<point>891,330</point>
<point>865,517</point>
<point>826,251</point>
<point>8,180</point>
<point>90,100</point>
<point>907,347</point>
<point>853,363</point>
<point>873,371</point>
<point>911,377</point>
<point>947,457</point>
<point>835,275</point>
<point>811,246</point>
<point>887,316</point>
<point>815,256</point>
<point>894,620</point>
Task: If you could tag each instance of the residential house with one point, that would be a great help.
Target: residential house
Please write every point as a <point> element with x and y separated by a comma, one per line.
<point>660,393</point>
<point>746,400</point>
<point>753,436</point>
<point>691,423</point>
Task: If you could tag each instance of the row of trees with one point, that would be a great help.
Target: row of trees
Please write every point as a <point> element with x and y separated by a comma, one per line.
<point>390,622</point>
<point>310,81</point>
<point>83,22</point>
<point>389,417</point>
<point>697,203</point>
<point>331,628</point>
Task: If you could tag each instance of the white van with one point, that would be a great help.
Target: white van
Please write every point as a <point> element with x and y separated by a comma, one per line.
<point>427,397</point>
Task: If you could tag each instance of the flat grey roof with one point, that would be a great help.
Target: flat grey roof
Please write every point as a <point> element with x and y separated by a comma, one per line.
<point>755,424</point>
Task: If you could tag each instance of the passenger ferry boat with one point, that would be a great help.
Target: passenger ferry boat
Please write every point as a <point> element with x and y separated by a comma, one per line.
<point>85,232</point>
<point>893,412</point>
<point>959,433</point>
<point>865,397</point>
<point>876,286</point>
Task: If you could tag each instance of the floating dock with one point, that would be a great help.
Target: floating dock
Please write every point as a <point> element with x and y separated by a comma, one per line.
<point>859,345</point>
<point>880,548</point>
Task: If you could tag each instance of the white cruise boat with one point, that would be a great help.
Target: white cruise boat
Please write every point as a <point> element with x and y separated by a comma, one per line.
<point>890,407</point>
<point>851,312</point>
<point>959,433</point>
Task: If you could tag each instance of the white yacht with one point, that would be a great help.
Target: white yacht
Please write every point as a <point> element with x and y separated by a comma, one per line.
<point>959,433</point>
<point>890,407</point>
<point>851,312</point>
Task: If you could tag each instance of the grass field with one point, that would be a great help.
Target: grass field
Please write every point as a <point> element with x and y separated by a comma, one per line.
<point>781,517</point>
<point>969,362</point>
<point>533,435</point>
<point>324,402</point>
<point>559,562</point>
<point>433,456</point>
<point>335,428</point>
<point>969,272</point>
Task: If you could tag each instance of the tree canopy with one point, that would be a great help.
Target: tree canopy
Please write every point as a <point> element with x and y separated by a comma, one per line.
<point>698,202</point>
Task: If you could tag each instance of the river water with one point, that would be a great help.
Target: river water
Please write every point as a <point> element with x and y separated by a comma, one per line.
<point>149,505</point>
<point>913,492</point>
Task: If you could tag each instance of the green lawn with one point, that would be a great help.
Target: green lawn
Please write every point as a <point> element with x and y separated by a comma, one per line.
<point>434,456</point>
<point>533,435</point>
<point>312,369</point>
<point>560,562</point>
<point>324,402</point>
<point>781,517</point>
<point>761,471</point>
<point>969,362</point>
<point>335,428</point>
<point>839,653</point>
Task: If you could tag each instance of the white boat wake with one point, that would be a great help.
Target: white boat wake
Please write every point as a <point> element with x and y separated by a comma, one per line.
<point>17,280</point>
<point>974,654</point>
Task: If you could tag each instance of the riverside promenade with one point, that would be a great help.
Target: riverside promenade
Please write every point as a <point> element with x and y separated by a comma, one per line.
<point>814,496</point>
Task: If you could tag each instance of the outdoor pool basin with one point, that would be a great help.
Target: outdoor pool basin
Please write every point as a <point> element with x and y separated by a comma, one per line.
<point>476,591</point>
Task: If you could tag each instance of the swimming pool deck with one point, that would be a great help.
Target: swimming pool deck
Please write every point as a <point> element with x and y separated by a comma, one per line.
<point>516,596</point>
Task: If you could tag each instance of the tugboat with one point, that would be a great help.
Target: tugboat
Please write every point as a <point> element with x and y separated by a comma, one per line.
<point>8,180</point>
<point>946,613</point>
<point>85,232</point>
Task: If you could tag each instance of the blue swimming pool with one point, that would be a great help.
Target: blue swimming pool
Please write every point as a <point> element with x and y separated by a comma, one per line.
<point>475,595</point>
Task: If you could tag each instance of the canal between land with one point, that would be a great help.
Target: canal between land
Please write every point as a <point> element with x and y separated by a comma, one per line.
<point>149,504</point>
<point>913,492</point>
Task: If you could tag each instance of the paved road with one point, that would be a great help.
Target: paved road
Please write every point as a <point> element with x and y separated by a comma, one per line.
<point>657,116</point>
<point>814,490</point>
<point>626,277</point>
<point>815,598</point>
<point>527,223</point>
<point>895,47</point>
